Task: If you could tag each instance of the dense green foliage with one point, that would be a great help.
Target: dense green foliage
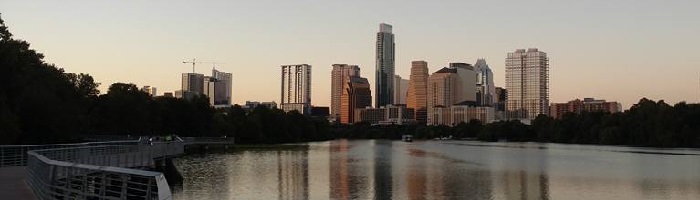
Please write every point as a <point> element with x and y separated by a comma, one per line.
<point>646,123</point>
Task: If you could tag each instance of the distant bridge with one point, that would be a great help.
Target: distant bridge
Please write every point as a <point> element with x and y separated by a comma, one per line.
<point>100,170</point>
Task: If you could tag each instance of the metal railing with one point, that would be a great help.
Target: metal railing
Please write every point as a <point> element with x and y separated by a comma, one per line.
<point>100,172</point>
<point>208,140</point>
<point>16,155</point>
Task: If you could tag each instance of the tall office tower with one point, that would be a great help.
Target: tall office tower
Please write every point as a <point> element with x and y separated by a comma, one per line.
<point>400,90</point>
<point>418,90</point>
<point>466,87</point>
<point>193,83</point>
<point>356,94</point>
<point>296,88</point>
<point>226,80</point>
<point>485,89</point>
<point>340,76</point>
<point>384,84</point>
<point>527,82</point>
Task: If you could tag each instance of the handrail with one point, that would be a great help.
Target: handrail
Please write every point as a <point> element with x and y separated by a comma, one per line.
<point>100,171</point>
<point>16,155</point>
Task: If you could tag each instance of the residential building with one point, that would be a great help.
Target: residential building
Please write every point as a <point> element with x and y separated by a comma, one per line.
<point>340,77</point>
<point>400,90</point>
<point>356,94</point>
<point>296,88</point>
<point>215,90</point>
<point>385,115</point>
<point>557,110</point>
<point>418,90</point>
<point>384,78</point>
<point>226,81</point>
<point>464,112</point>
<point>527,82</point>
<point>193,83</point>
<point>485,89</point>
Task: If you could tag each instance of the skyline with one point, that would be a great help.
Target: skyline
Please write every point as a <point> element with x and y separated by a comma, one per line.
<point>623,47</point>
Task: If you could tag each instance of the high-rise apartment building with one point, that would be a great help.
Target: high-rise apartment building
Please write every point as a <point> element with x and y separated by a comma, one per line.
<point>340,76</point>
<point>485,89</point>
<point>400,90</point>
<point>356,94</point>
<point>296,88</point>
<point>193,83</point>
<point>384,79</point>
<point>527,82</point>
<point>418,90</point>
<point>226,81</point>
<point>465,89</point>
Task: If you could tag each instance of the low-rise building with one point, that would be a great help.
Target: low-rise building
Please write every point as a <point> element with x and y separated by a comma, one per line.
<point>385,115</point>
<point>557,110</point>
<point>455,114</point>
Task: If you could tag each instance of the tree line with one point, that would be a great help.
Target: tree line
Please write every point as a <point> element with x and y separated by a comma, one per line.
<point>647,123</point>
<point>41,103</point>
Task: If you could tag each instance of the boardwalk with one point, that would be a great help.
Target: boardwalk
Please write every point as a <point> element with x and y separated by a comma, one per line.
<point>13,184</point>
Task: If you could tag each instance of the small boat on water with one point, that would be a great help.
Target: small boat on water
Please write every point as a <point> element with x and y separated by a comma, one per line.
<point>407,138</point>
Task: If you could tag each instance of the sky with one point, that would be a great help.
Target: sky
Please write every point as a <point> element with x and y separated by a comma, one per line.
<point>617,50</point>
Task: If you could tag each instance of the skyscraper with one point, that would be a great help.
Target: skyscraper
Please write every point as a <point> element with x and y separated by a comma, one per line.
<point>384,84</point>
<point>356,94</point>
<point>485,89</point>
<point>418,90</point>
<point>226,80</point>
<point>527,82</point>
<point>465,89</point>
<point>443,87</point>
<point>296,88</point>
<point>400,90</point>
<point>340,76</point>
<point>193,82</point>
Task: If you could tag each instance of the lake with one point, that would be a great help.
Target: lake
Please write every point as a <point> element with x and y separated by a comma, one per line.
<point>383,169</point>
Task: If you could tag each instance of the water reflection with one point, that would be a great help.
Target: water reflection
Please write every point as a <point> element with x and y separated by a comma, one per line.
<point>345,169</point>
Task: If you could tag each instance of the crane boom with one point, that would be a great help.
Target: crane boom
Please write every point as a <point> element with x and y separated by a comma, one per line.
<point>194,62</point>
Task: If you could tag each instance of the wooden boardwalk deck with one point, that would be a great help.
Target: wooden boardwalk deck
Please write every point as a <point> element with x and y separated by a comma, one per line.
<point>13,184</point>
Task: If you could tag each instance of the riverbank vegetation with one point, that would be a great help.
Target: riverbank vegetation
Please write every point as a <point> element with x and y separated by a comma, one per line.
<point>41,103</point>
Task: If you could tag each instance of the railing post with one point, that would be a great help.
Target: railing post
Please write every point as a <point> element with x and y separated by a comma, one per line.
<point>123,194</point>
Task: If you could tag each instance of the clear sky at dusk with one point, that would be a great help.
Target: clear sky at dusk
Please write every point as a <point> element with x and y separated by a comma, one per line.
<point>618,50</point>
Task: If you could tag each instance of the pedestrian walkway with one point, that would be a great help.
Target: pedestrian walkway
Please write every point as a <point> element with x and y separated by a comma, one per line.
<point>13,184</point>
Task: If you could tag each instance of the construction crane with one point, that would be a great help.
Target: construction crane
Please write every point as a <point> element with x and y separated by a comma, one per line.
<point>194,61</point>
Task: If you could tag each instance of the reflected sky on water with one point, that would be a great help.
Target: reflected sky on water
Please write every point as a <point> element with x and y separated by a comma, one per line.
<point>381,169</point>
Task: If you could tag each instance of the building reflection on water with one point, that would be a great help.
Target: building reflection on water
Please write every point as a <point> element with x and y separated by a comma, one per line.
<point>293,174</point>
<point>344,169</point>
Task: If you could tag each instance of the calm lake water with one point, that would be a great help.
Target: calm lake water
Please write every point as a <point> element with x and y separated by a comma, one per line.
<point>380,169</point>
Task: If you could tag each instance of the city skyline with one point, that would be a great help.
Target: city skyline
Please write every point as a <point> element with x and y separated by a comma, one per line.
<point>605,47</point>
